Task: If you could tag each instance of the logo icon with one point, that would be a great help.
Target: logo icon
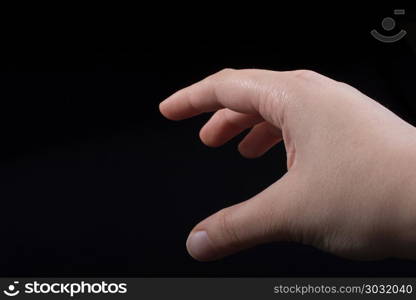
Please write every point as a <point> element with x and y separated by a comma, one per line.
<point>11,289</point>
<point>389,24</point>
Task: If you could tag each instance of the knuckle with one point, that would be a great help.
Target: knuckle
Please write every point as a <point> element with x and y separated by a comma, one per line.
<point>274,104</point>
<point>228,228</point>
<point>219,76</point>
<point>226,72</point>
<point>305,74</point>
<point>193,97</point>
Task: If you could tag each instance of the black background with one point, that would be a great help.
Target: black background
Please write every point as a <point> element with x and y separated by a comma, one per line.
<point>93,180</point>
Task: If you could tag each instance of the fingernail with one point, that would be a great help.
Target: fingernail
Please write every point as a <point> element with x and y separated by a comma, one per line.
<point>200,246</point>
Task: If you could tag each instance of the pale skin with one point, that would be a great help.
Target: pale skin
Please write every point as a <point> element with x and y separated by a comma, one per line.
<point>350,188</point>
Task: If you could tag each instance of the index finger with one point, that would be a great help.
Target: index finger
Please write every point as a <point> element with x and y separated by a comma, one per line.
<point>246,91</point>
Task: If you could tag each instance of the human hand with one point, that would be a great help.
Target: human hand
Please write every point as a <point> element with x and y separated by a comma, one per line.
<point>350,187</point>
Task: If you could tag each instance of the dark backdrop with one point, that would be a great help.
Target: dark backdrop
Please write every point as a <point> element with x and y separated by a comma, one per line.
<point>93,181</point>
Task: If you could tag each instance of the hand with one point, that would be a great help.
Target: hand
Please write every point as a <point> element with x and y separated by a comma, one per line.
<point>350,188</point>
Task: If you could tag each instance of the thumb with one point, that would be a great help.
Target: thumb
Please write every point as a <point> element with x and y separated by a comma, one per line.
<point>264,218</point>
